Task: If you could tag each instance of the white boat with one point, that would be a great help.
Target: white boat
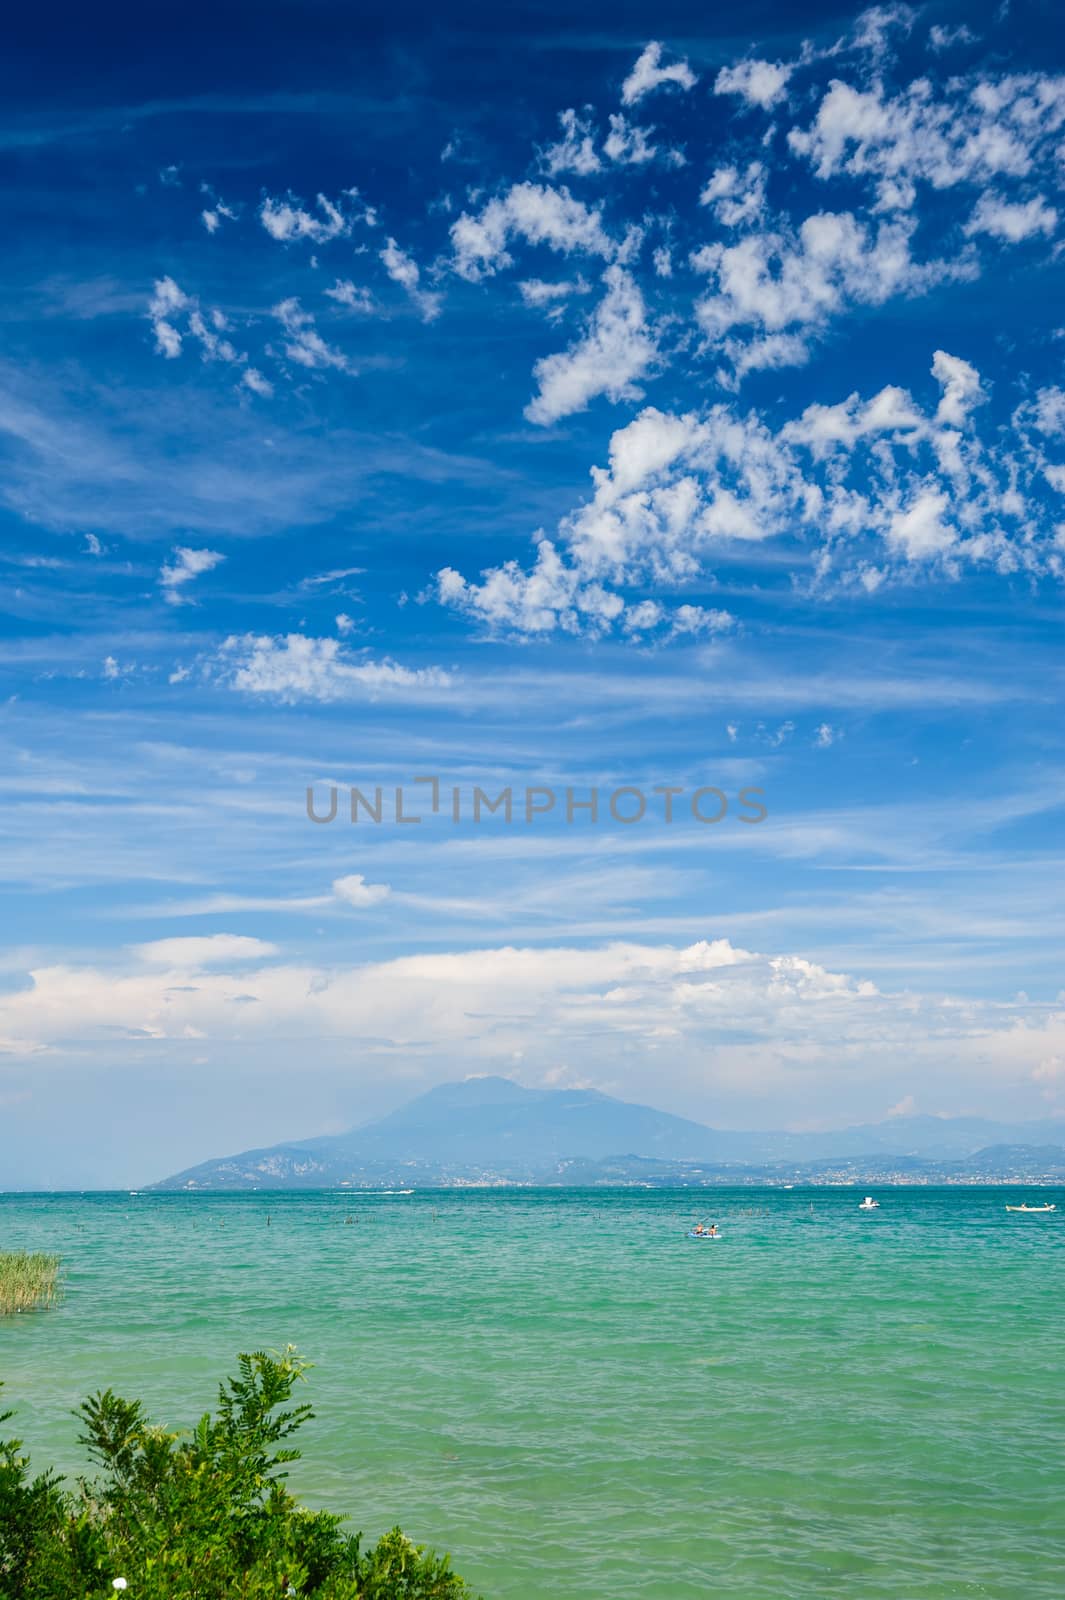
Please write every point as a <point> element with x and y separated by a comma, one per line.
<point>869,1204</point>
<point>1032,1208</point>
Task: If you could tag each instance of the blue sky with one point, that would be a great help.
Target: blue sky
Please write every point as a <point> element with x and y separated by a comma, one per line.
<point>619,399</point>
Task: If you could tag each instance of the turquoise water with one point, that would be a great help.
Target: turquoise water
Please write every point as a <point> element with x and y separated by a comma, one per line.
<point>577,1400</point>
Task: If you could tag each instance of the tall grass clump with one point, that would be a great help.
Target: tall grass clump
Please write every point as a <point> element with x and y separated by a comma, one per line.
<point>203,1515</point>
<point>27,1279</point>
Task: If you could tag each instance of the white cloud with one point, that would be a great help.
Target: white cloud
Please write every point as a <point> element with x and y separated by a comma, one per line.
<point>862,492</point>
<point>779,283</point>
<point>285,220</point>
<point>920,531</point>
<point>873,27</point>
<point>345,293</point>
<point>403,269</point>
<point>626,144</point>
<point>93,545</point>
<point>759,83</point>
<point>1047,412</point>
<point>560,595</point>
<point>737,198</point>
<point>167,299</point>
<point>1012,221</point>
<point>210,950</point>
<point>944,38</point>
<point>213,216</point>
<point>540,295</point>
<point>304,343</point>
<point>538,214</point>
<point>649,74</point>
<point>355,891</point>
<point>709,1017</point>
<point>962,389</point>
<point>979,129</point>
<point>694,620</point>
<point>297,667</point>
<point>575,151</point>
<point>617,349</point>
<point>253,379</point>
<point>550,596</point>
<point>185,566</point>
<point>169,306</point>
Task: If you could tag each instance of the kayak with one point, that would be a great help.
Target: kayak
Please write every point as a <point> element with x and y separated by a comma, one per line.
<point>701,1236</point>
<point>1031,1208</point>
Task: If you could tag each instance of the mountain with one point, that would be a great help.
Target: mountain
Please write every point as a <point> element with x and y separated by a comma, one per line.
<point>491,1129</point>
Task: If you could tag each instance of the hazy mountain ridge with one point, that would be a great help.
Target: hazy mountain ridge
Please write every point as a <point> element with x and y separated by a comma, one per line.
<point>493,1130</point>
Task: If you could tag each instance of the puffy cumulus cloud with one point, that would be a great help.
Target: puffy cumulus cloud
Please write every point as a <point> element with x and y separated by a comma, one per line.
<point>297,667</point>
<point>944,38</point>
<point>962,389</point>
<point>786,287</point>
<point>404,270</point>
<point>1046,413</point>
<point>1012,221</point>
<point>736,198</point>
<point>213,216</point>
<point>649,74</point>
<point>176,316</point>
<point>759,83</point>
<point>873,29</point>
<point>617,349</point>
<point>304,344</point>
<point>576,150</point>
<point>353,890</point>
<point>861,492</point>
<point>167,301</point>
<point>251,378</point>
<point>346,293</point>
<point>461,999</point>
<point>551,595</point>
<point>775,278</point>
<point>185,565</point>
<point>645,1020</point>
<point>919,530</point>
<point>557,594</point>
<point>537,213</point>
<point>286,221</point>
<point>968,130</point>
<point>627,144</point>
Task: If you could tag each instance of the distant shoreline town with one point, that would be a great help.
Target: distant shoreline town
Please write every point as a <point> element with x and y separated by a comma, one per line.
<point>494,1133</point>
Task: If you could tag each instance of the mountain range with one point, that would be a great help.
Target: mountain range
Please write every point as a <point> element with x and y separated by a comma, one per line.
<point>493,1130</point>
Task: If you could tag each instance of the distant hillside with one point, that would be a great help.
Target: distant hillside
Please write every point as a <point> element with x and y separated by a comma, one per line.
<point>490,1129</point>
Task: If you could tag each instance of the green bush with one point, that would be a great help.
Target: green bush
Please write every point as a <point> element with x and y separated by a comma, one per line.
<point>200,1516</point>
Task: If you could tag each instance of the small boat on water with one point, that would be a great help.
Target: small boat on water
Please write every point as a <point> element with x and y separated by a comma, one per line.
<point>1036,1209</point>
<point>869,1204</point>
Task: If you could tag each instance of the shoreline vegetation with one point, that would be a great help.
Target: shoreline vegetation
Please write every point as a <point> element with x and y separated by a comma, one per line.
<point>185,1516</point>
<point>29,1281</point>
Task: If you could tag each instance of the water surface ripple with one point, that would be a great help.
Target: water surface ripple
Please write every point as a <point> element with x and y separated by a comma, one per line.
<point>578,1401</point>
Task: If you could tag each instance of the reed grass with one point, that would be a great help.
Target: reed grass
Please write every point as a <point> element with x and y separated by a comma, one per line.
<point>28,1279</point>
